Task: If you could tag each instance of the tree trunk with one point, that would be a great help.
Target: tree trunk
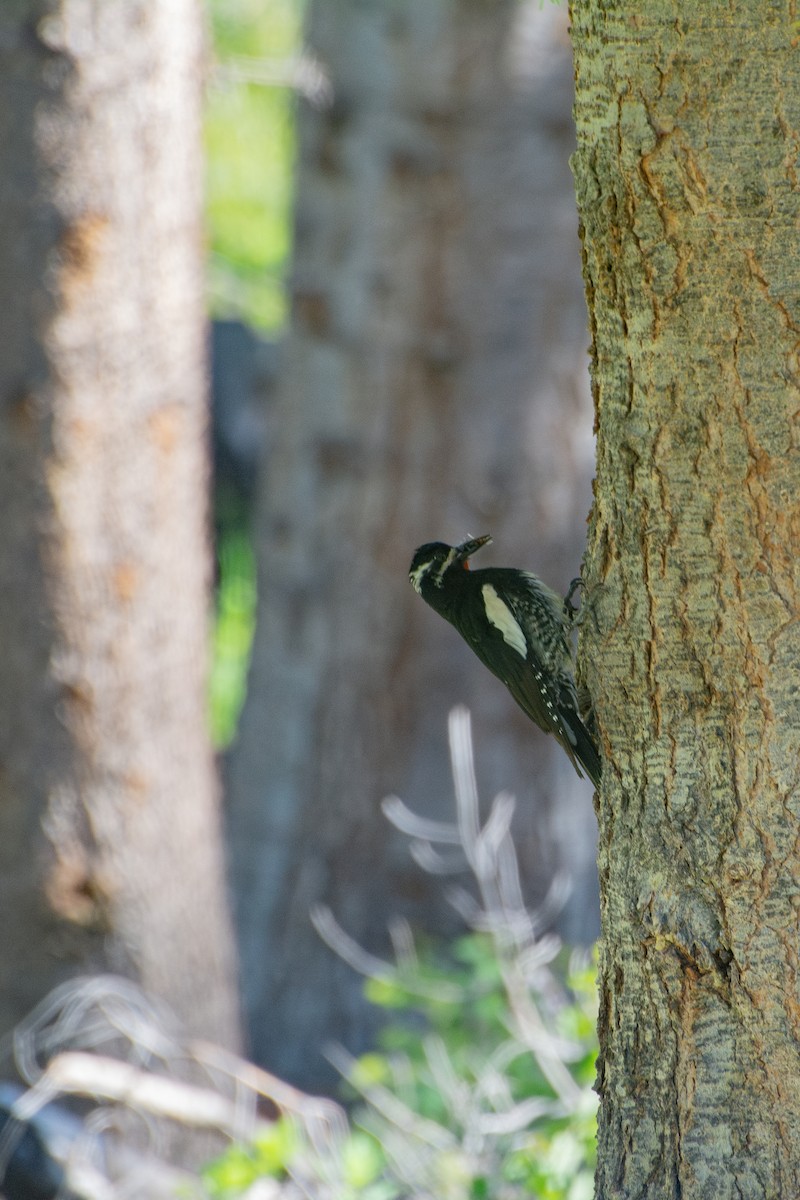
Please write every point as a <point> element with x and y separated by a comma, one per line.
<point>688,130</point>
<point>434,385</point>
<point>110,855</point>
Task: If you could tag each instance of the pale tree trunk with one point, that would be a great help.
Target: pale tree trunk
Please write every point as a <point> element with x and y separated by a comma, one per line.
<point>110,855</point>
<point>435,384</point>
<point>688,130</point>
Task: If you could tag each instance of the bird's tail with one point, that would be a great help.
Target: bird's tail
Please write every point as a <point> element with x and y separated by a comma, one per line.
<point>587,755</point>
<point>582,746</point>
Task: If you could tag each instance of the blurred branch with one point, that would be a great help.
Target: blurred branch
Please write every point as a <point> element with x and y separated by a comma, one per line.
<point>369,965</point>
<point>302,73</point>
<point>386,1103</point>
<point>82,1074</point>
<point>146,1068</point>
<point>105,1039</point>
<point>501,912</point>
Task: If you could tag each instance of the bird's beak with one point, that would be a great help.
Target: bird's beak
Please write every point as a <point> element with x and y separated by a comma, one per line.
<point>468,548</point>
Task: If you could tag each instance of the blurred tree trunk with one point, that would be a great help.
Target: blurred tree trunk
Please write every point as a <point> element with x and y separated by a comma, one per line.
<point>688,134</point>
<point>434,385</point>
<point>110,855</point>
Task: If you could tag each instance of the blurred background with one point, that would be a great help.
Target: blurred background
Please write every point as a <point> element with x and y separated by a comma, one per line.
<point>421,313</point>
<point>373,325</point>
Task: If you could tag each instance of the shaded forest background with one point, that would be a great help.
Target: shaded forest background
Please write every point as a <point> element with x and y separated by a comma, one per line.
<point>430,379</point>
<point>408,363</point>
<point>398,353</point>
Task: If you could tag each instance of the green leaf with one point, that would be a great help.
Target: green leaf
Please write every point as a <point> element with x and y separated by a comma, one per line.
<point>363,1160</point>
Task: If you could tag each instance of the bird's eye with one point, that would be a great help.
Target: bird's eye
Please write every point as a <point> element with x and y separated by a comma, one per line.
<point>465,564</point>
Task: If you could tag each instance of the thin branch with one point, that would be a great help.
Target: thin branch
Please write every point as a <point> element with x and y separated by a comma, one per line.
<point>302,73</point>
<point>369,965</point>
<point>80,1074</point>
<point>421,828</point>
<point>384,1102</point>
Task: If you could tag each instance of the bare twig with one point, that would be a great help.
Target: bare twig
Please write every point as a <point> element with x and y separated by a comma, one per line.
<point>80,1074</point>
<point>369,965</point>
<point>303,73</point>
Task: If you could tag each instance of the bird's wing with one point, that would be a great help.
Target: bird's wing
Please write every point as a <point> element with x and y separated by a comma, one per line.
<point>537,671</point>
<point>497,635</point>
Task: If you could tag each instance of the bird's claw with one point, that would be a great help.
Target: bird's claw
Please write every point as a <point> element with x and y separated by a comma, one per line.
<point>569,607</point>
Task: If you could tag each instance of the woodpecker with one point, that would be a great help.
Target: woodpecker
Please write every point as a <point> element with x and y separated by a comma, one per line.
<point>519,629</point>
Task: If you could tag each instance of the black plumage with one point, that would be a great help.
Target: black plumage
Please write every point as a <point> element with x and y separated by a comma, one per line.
<point>519,628</point>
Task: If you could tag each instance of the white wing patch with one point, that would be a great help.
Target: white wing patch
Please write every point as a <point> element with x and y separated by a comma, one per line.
<point>501,616</point>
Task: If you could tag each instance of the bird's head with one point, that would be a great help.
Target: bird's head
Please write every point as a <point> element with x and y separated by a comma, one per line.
<point>434,560</point>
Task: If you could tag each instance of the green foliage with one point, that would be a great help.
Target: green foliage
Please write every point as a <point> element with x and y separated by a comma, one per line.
<point>467,1064</point>
<point>452,1104</point>
<point>266,1158</point>
<point>232,633</point>
<point>249,131</point>
<point>250,143</point>
<point>357,1164</point>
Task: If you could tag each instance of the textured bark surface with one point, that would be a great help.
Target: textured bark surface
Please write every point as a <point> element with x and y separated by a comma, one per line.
<point>688,135</point>
<point>435,385</point>
<point>109,845</point>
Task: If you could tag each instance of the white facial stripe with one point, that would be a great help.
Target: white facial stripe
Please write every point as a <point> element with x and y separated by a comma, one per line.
<point>416,577</point>
<point>501,616</point>
<point>447,562</point>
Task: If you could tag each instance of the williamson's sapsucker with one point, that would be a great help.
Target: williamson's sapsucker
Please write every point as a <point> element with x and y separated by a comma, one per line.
<point>519,629</point>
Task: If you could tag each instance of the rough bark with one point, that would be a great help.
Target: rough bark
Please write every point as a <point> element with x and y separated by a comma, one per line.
<point>434,385</point>
<point>688,123</point>
<point>110,854</point>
